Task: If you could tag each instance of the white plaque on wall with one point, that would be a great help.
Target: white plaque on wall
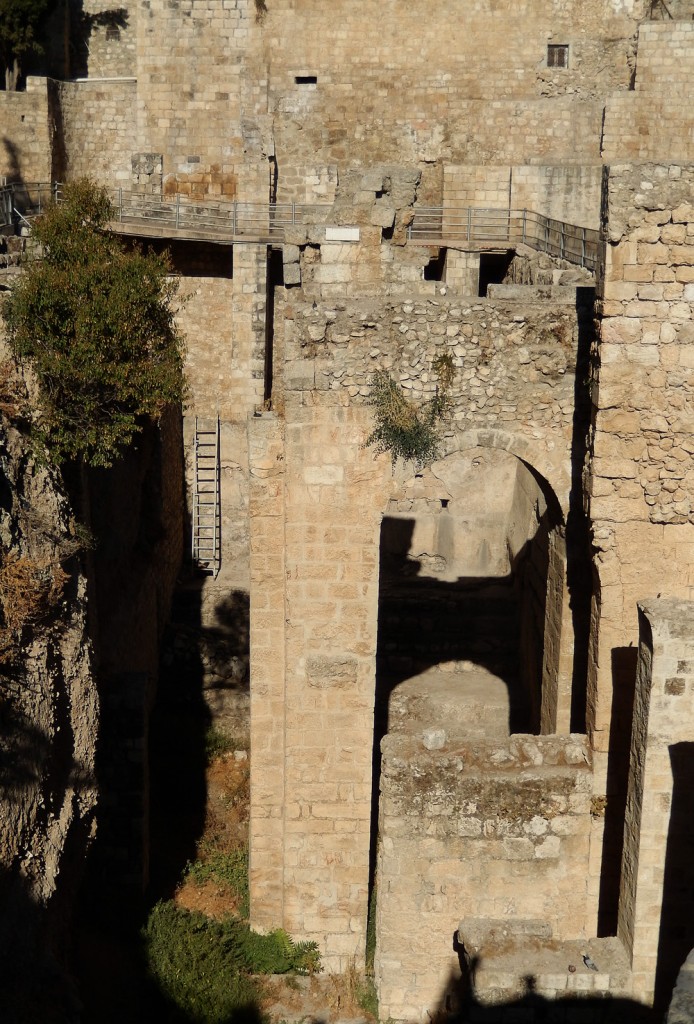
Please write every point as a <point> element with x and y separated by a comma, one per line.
<point>342,234</point>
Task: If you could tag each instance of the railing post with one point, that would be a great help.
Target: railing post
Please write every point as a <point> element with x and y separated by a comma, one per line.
<point>469,224</point>
<point>120,203</point>
<point>234,221</point>
<point>178,208</point>
<point>523,229</point>
<point>583,247</point>
<point>562,241</point>
<point>293,213</point>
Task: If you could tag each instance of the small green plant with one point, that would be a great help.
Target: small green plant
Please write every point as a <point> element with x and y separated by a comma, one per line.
<point>403,429</point>
<point>366,996</point>
<point>229,869</point>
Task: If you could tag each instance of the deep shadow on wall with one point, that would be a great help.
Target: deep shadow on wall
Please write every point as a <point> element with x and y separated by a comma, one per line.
<point>459,1004</point>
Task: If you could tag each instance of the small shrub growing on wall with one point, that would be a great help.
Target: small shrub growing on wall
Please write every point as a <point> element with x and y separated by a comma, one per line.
<point>29,590</point>
<point>96,322</point>
<point>403,429</point>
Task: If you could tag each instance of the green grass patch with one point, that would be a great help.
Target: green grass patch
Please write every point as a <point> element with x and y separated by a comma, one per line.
<point>218,743</point>
<point>229,869</point>
<point>204,966</point>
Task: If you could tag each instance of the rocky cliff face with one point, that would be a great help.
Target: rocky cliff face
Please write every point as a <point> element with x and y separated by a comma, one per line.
<point>49,713</point>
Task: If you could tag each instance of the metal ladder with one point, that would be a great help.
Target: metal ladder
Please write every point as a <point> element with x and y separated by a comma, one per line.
<point>206,503</point>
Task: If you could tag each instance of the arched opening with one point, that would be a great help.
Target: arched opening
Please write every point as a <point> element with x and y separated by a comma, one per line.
<point>470,599</point>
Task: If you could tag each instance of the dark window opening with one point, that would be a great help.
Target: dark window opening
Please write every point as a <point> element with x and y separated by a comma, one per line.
<point>306,79</point>
<point>112,33</point>
<point>436,267</point>
<point>558,55</point>
<point>494,267</point>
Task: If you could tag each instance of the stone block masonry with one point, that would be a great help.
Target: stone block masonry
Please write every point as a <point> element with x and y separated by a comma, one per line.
<point>25,154</point>
<point>494,831</point>
<point>96,124</point>
<point>655,119</point>
<point>641,489</point>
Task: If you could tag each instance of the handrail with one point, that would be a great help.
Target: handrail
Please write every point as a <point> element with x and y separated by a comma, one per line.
<point>486,226</point>
<point>230,220</point>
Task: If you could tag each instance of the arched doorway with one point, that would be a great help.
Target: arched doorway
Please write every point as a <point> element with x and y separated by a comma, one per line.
<point>472,582</point>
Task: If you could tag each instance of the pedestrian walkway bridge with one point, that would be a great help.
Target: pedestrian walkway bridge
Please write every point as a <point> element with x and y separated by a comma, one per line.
<point>233,222</point>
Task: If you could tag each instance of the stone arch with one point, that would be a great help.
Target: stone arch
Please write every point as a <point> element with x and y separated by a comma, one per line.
<point>543,457</point>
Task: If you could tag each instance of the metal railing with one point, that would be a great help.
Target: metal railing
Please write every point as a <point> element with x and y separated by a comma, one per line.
<point>488,227</point>
<point>213,218</point>
<point>230,220</point>
<point>6,205</point>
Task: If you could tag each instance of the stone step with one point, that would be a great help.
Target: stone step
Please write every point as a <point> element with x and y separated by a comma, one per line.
<point>509,959</point>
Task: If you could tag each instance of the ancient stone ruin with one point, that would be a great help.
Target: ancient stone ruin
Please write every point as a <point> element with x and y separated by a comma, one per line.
<point>472,680</point>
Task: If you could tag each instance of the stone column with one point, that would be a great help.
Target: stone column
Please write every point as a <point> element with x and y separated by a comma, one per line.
<point>247,374</point>
<point>656,889</point>
<point>267,664</point>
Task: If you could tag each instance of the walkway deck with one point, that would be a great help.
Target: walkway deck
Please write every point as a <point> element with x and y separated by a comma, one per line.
<point>231,222</point>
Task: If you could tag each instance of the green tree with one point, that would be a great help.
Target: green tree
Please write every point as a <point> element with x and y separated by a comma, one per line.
<point>96,322</point>
<point>21,23</point>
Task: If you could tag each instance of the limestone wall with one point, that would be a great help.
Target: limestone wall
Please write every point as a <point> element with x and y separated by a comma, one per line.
<point>491,831</point>
<point>570,193</point>
<point>94,130</point>
<point>514,362</point>
<point>317,500</point>
<point>202,97</point>
<point>641,487</point>
<point>108,38</point>
<point>25,150</point>
<point>654,119</point>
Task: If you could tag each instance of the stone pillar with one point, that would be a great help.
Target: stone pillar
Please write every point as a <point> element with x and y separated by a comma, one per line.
<point>247,374</point>
<point>315,511</point>
<point>557,667</point>
<point>267,665</point>
<point>657,884</point>
<point>641,489</point>
<point>463,271</point>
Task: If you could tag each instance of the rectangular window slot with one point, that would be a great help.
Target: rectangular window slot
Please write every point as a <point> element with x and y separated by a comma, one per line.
<point>306,79</point>
<point>558,55</point>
